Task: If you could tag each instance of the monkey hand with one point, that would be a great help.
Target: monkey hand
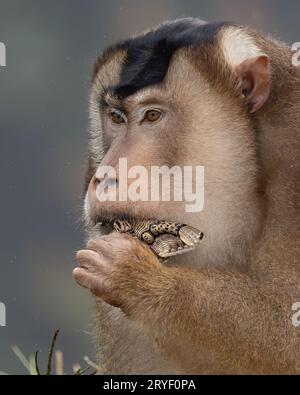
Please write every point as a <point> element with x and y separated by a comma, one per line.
<point>118,269</point>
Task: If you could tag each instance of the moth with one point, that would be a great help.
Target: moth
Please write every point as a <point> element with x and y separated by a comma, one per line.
<point>166,239</point>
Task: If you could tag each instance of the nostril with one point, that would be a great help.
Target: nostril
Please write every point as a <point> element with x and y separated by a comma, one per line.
<point>102,184</point>
<point>97,180</point>
<point>107,181</point>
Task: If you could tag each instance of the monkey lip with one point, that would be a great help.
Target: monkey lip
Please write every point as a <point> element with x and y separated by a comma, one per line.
<point>104,224</point>
<point>104,227</point>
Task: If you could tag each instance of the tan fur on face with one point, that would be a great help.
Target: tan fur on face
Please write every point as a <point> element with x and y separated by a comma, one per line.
<point>226,308</point>
<point>222,140</point>
<point>201,140</point>
<point>108,75</point>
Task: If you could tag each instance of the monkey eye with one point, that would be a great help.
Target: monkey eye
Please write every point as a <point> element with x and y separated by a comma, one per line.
<point>117,118</point>
<point>152,115</point>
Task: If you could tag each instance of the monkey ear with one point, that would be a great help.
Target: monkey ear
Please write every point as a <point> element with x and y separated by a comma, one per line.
<point>256,81</point>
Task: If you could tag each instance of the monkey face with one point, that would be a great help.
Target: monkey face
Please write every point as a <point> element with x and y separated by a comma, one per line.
<point>143,134</point>
<point>158,103</point>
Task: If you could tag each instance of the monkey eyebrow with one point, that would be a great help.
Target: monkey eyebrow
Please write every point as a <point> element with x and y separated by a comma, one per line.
<point>107,95</point>
<point>150,100</point>
<point>109,99</point>
<point>103,101</point>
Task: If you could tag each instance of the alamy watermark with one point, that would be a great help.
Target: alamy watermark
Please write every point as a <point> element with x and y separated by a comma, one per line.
<point>2,64</point>
<point>155,184</point>
<point>2,55</point>
<point>296,315</point>
<point>296,55</point>
<point>2,314</point>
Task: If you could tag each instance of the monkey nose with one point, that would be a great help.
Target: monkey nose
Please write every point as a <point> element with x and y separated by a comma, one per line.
<point>101,185</point>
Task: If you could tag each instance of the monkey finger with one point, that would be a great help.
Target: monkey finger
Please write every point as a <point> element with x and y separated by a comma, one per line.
<point>94,262</point>
<point>84,278</point>
<point>88,259</point>
<point>100,246</point>
<point>97,284</point>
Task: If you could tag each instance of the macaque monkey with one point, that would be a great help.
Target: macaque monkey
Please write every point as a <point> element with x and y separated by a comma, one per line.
<point>227,98</point>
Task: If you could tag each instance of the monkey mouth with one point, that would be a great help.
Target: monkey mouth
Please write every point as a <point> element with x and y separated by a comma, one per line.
<point>166,239</point>
<point>104,224</point>
<point>104,228</point>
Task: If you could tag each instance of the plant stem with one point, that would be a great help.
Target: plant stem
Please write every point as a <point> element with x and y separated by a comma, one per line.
<point>36,363</point>
<point>50,355</point>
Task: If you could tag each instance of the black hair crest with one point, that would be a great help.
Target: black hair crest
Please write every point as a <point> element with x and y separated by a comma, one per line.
<point>149,55</point>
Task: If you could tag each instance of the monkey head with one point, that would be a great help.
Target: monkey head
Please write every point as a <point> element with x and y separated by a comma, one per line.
<point>184,94</point>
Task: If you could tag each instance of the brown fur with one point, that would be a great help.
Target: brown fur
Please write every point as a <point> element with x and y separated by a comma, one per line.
<point>225,308</point>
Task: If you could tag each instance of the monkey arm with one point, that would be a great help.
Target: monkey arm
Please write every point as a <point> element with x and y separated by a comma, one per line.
<point>241,321</point>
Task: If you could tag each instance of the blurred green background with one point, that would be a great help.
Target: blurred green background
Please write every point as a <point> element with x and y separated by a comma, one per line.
<point>51,46</point>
